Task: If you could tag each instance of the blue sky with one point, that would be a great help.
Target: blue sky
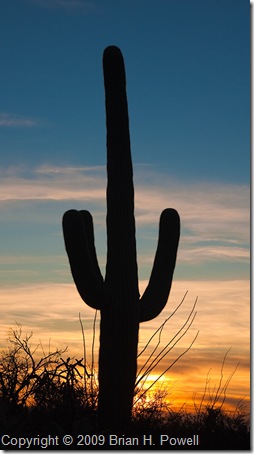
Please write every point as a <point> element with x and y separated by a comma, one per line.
<point>187,74</point>
<point>188,85</point>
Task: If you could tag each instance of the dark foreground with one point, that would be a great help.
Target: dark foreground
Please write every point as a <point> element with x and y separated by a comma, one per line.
<point>39,429</point>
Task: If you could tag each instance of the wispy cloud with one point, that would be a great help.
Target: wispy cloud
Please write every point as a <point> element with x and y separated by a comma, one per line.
<point>12,120</point>
<point>214,217</point>
<point>53,183</point>
<point>51,311</point>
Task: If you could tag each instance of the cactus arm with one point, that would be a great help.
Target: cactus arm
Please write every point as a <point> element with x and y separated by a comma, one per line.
<point>79,244</point>
<point>156,294</point>
<point>88,223</point>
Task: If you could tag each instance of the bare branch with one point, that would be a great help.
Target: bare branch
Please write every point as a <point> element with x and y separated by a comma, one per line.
<point>160,355</point>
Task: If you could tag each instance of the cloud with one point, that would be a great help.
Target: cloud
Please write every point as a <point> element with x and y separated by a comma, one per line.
<point>17,260</point>
<point>214,217</point>
<point>67,170</point>
<point>222,318</point>
<point>52,183</point>
<point>11,120</point>
<point>51,311</point>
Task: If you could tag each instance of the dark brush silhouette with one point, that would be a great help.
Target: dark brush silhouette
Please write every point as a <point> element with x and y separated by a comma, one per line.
<point>43,391</point>
<point>117,296</point>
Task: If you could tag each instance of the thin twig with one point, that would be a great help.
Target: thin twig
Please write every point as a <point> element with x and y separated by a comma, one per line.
<point>93,343</point>
<point>168,368</point>
<point>157,358</point>
<point>161,326</point>
<point>84,350</point>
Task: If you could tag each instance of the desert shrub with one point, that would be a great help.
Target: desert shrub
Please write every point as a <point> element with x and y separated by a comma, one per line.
<point>45,392</point>
<point>38,386</point>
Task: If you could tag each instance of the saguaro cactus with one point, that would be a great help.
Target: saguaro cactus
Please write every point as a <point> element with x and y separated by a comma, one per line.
<point>117,296</point>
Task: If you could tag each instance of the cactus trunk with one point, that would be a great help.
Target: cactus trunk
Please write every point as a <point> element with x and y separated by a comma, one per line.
<point>117,296</point>
<point>119,320</point>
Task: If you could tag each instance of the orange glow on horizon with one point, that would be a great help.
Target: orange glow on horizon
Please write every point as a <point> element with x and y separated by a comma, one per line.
<point>191,399</point>
<point>222,323</point>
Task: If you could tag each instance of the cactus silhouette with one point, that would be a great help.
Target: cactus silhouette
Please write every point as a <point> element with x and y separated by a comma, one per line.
<point>117,296</point>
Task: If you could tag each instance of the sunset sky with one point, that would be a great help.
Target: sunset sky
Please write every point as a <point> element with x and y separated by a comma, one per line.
<point>188,85</point>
